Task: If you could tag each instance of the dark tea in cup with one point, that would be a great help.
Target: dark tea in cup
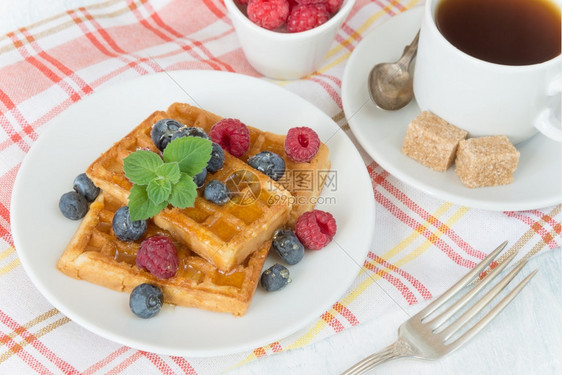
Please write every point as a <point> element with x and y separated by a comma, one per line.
<point>517,94</point>
<point>507,32</point>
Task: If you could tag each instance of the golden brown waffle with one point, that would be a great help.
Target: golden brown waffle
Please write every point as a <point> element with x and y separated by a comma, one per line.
<point>107,170</point>
<point>303,180</point>
<point>224,235</point>
<point>94,254</point>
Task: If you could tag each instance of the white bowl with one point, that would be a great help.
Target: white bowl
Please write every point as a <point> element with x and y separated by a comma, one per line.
<point>285,56</point>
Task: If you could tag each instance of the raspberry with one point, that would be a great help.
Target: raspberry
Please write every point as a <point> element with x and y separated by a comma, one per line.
<point>315,229</point>
<point>311,1</point>
<point>232,135</point>
<point>268,14</point>
<point>307,16</point>
<point>334,6</point>
<point>301,144</point>
<point>159,256</point>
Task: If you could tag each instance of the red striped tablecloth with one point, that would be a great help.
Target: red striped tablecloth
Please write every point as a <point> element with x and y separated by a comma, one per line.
<point>48,66</point>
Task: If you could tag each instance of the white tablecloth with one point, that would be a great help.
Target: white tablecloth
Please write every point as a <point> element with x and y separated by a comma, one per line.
<point>525,339</point>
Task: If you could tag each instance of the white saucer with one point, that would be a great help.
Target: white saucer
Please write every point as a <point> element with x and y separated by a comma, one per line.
<point>81,133</point>
<point>538,177</point>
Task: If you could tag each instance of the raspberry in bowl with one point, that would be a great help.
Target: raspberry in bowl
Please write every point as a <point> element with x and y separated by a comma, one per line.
<point>287,39</point>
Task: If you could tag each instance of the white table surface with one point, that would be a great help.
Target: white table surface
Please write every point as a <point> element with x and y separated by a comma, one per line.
<point>526,338</point>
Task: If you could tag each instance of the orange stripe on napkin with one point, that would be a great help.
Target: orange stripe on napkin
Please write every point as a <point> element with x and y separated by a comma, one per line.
<point>332,92</point>
<point>159,363</point>
<point>5,215</point>
<point>184,365</point>
<point>105,361</point>
<point>126,363</point>
<point>397,283</point>
<point>379,179</point>
<point>276,347</point>
<point>26,358</point>
<point>550,238</point>
<point>45,70</point>
<point>16,137</point>
<point>332,321</point>
<point>55,63</point>
<point>426,294</point>
<point>346,313</point>
<point>105,44</point>
<point>161,33</point>
<point>540,225</point>
<point>32,340</point>
<point>180,36</point>
<point>259,352</point>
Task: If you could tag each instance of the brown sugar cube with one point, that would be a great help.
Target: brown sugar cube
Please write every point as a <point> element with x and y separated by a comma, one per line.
<point>486,161</point>
<point>432,141</point>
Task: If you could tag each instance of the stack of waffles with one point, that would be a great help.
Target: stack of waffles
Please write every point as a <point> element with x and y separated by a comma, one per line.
<point>221,249</point>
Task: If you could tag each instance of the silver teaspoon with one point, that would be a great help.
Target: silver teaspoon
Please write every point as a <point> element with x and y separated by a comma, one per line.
<point>391,84</point>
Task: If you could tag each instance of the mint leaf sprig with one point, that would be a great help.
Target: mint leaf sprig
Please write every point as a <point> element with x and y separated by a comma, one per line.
<point>159,181</point>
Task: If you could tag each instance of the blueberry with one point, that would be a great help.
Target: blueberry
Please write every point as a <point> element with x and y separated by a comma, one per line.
<point>162,132</point>
<point>275,277</point>
<point>83,185</point>
<point>190,131</point>
<point>124,229</point>
<point>146,300</point>
<point>269,163</point>
<point>217,158</point>
<point>199,178</point>
<point>216,192</point>
<point>288,246</point>
<point>73,205</point>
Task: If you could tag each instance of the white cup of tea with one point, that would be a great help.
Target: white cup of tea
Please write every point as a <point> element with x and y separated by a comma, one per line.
<point>482,87</point>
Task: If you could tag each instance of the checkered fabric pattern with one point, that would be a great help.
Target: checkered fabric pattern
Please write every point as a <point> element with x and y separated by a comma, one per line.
<point>422,245</point>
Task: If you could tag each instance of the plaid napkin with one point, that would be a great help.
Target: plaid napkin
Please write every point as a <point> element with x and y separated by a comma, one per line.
<point>422,244</point>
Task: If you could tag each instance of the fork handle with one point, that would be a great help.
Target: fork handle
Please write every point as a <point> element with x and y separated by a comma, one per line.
<point>397,350</point>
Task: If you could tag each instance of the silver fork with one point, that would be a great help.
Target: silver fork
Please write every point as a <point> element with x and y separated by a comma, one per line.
<point>425,335</point>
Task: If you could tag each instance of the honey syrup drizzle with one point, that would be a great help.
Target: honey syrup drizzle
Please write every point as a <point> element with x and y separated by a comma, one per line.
<point>126,252</point>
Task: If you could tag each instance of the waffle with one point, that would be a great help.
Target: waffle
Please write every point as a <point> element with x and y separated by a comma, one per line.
<point>94,254</point>
<point>224,235</point>
<point>303,180</point>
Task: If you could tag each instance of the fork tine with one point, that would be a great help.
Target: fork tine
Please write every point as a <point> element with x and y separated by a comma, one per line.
<point>461,283</point>
<point>492,313</point>
<point>483,302</point>
<point>451,310</point>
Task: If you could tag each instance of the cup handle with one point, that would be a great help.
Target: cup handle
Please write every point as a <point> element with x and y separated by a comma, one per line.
<point>547,122</point>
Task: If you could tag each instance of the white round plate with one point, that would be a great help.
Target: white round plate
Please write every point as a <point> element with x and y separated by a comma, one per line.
<point>77,137</point>
<point>537,180</point>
